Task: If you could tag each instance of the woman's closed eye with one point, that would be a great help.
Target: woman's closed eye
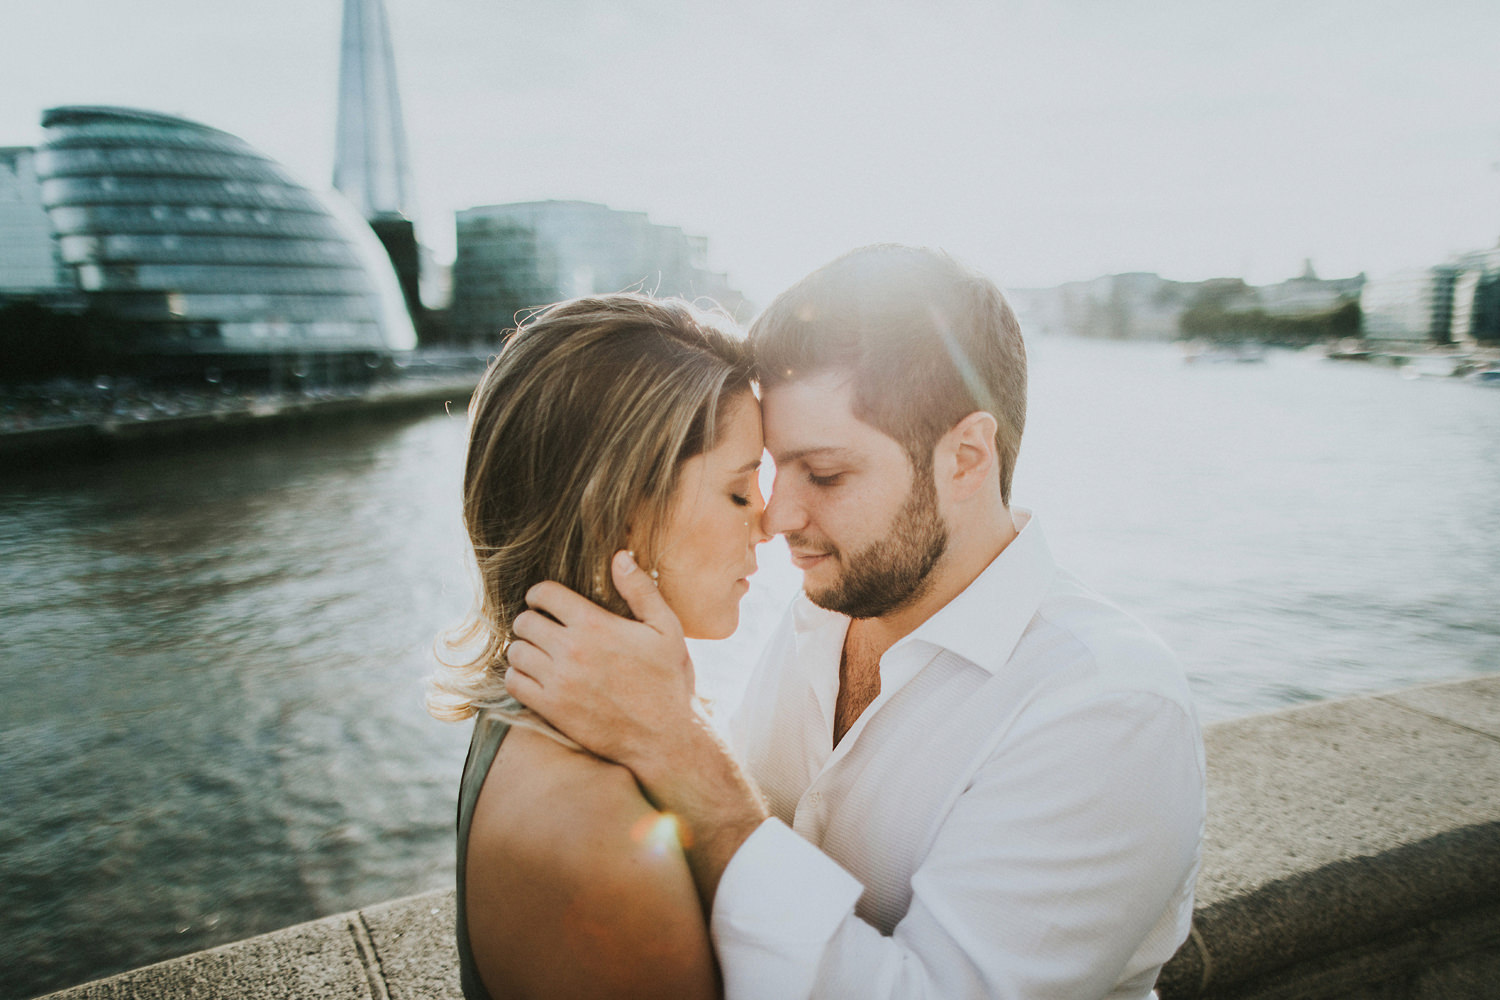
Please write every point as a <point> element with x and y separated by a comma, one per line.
<point>831,479</point>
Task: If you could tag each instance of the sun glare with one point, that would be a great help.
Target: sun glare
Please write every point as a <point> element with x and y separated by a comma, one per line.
<point>659,833</point>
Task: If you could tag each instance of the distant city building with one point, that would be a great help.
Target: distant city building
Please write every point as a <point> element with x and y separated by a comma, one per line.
<point>1413,306</point>
<point>372,166</point>
<point>1476,299</point>
<point>1134,306</point>
<point>29,261</point>
<point>199,246</point>
<point>1456,302</point>
<point>1145,306</point>
<point>1307,294</point>
<point>516,257</point>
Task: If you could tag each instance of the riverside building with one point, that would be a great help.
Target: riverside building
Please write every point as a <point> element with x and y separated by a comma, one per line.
<point>202,251</point>
<point>1456,302</point>
<point>1413,306</point>
<point>516,257</point>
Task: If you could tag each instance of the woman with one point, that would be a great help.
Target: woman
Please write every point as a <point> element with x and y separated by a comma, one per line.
<point>606,423</point>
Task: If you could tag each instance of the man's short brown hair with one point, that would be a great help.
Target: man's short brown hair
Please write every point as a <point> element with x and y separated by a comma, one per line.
<point>926,341</point>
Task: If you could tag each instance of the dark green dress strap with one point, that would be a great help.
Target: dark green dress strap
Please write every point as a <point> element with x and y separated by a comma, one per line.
<point>489,730</point>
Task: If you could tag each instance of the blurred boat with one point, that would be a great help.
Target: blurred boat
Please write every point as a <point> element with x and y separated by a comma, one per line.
<point>1434,366</point>
<point>1488,376</point>
<point>1195,351</point>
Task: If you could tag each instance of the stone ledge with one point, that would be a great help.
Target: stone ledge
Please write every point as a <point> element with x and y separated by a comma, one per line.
<point>1353,848</point>
<point>1352,852</point>
<point>322,959</point>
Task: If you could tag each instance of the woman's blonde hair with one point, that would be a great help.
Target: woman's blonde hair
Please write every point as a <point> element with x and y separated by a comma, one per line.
<point>576,435</point>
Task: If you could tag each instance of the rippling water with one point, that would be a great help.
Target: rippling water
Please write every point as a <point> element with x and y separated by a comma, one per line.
<point>210,663</point>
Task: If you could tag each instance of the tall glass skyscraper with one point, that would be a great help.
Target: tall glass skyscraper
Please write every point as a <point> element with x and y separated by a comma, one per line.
<point>371,165</point>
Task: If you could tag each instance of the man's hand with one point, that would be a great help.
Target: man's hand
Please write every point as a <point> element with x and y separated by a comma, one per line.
<point>623,690</point>
<point>619,688</point>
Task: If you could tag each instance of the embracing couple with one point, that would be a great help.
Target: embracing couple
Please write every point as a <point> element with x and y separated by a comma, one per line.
<point>956,772</point>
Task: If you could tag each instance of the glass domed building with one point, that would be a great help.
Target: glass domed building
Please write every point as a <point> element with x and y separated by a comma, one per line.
<point>196,246</point>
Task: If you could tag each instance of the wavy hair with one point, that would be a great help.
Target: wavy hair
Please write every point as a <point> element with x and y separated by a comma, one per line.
<point>577,433</point>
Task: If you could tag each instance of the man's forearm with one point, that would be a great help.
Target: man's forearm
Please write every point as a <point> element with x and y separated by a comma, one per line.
<point>694,777</point>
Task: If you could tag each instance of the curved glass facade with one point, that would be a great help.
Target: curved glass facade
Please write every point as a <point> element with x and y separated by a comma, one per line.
<point>206,246</point>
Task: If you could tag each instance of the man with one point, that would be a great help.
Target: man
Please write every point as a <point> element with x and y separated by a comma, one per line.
<point>979,779</point>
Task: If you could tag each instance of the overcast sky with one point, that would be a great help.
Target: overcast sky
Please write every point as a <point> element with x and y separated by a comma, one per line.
<point>1041,142</point>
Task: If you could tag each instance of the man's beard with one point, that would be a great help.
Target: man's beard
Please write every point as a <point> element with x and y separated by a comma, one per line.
<point>896,570</point>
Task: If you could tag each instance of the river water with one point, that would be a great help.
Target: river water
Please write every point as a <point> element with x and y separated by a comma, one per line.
<point>211,662</point>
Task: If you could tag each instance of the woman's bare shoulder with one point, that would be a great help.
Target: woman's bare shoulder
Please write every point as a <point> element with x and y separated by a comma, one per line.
<point>574,880</point>
<point>579,791</point>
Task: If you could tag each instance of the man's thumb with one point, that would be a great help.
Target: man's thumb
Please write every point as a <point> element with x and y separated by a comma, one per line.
<point>639,591</point>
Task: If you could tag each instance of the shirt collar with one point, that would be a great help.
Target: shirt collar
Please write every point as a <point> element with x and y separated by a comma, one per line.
<point>985,621</point>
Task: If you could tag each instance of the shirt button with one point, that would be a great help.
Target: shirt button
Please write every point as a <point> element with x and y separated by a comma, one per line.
<point>814,798</point>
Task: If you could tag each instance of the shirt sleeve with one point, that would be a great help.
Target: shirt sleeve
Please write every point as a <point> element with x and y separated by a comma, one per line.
<point>775,932</point>
<point>1064,870</point>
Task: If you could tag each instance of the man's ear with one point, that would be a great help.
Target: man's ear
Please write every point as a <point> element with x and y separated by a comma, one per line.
<point>966,454</point>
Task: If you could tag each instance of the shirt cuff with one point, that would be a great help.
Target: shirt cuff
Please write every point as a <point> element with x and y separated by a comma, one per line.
<point>778,904</point>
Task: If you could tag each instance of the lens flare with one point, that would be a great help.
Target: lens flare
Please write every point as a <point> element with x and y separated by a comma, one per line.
<point>658,833</point>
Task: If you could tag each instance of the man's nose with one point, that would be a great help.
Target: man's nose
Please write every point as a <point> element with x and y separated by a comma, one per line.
<point>783,513</point>
<point>757,522</point>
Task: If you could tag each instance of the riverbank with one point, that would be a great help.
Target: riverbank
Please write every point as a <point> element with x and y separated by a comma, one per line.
<point>1352,851</point>
<point>164,420</point>
<point>1478,362</point>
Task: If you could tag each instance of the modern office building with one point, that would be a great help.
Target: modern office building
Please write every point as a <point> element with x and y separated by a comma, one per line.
<point>1413,306</point>
<point>1476,299</point>
<point>198,246</point>
<point>516,257</point>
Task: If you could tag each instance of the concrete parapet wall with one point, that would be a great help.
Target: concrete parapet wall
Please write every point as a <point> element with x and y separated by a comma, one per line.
<point>1353,851</point>
<point>401,950</point>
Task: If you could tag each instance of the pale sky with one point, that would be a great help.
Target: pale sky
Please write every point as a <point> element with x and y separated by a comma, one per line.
<point>1041,142</point>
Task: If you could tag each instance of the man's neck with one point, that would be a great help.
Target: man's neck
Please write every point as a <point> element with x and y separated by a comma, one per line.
<point>967,555</point>
<point>868,638</point>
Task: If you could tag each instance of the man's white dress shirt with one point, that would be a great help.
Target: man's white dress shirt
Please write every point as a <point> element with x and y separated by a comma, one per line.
<point>1019,813</point>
